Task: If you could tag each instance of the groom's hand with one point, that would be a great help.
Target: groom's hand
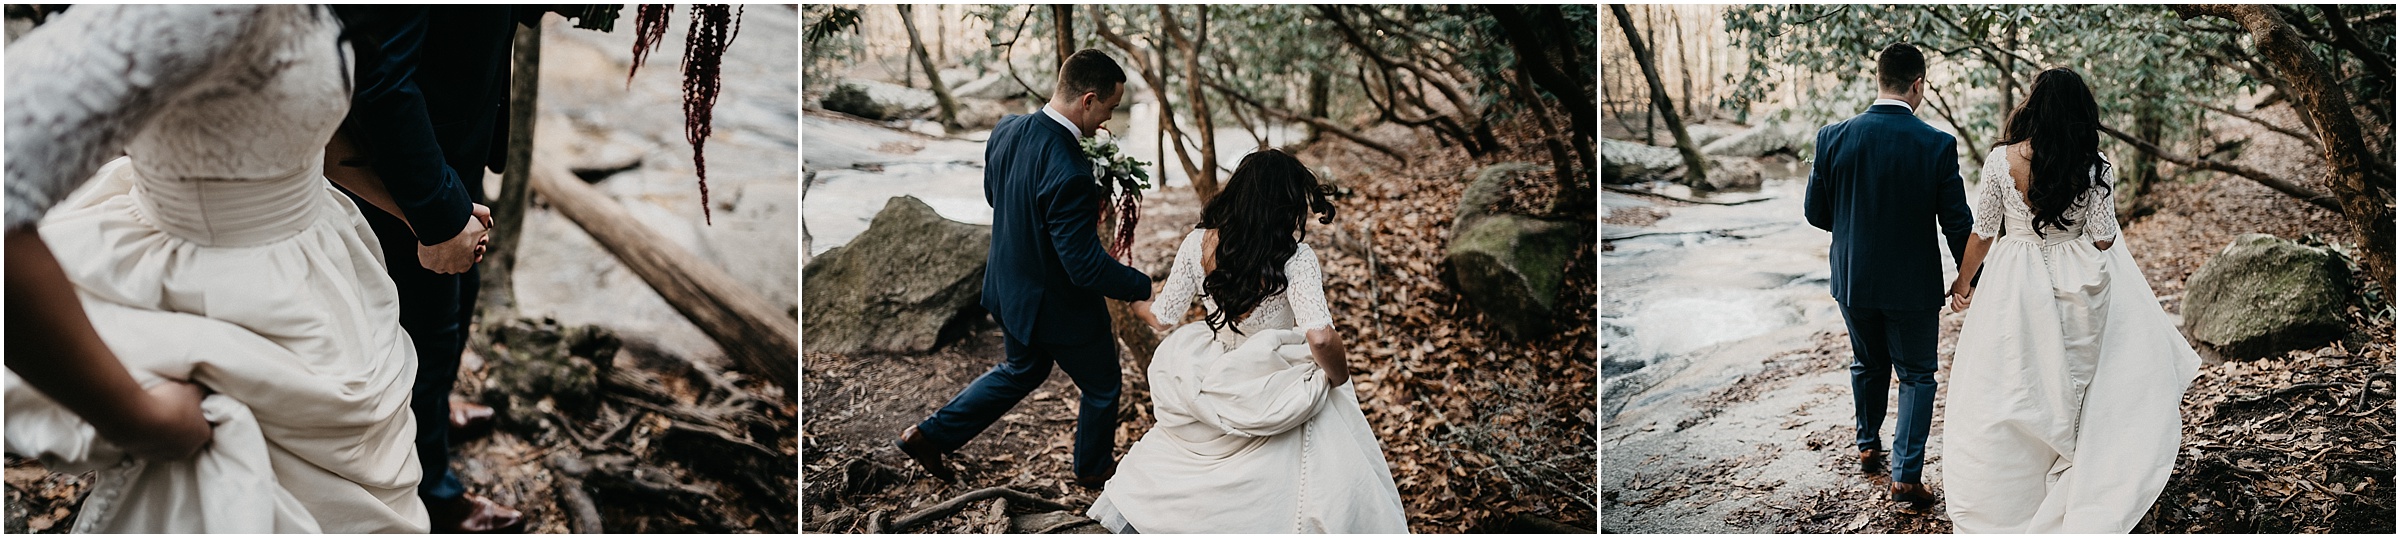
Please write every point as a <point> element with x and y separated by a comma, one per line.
<point>462,251</point>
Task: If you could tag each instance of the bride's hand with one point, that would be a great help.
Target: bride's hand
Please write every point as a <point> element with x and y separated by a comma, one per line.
<point>1141,309</point>
<point>1961,295</point>
<point>175,428</point>
<point>462,251</point>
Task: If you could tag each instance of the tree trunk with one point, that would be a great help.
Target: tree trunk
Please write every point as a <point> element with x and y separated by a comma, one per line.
<point>1155,75</point>
<point>1683,62</point>
<point>1205,184</point>
<point>508,209</point>
<point>1540,67</point>
<point>1064,15</point>
<point>2149,126</point>
<point>1140,340</point>
<point>2356,182</point>
<point>2008,72</point>
<point>933,73</point>
<point>760,339</point>
<point>1318,92</point>
<point>1695,168</point>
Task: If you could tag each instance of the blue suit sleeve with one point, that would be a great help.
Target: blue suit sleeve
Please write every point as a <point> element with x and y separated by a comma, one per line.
<point>1070,215</point>
<point>1951,202</point>
<point>388,122</point>
<point>1819,199</point>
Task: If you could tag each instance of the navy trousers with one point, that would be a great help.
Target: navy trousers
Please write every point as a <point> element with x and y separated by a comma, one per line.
<point>1883,341</point>
<point>1093,366</point>
<point>434,309</point>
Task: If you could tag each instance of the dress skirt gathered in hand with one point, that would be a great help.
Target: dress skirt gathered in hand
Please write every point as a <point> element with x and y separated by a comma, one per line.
<point>215,252</point>
<point>1249,438</point>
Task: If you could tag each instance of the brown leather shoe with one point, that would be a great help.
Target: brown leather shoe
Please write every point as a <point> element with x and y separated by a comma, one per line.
<point>470,514</point>
<point>469,420</point>
<point>1871,461</point>
<point>1097,482</point>
<point>917,448</point>
<point>1916,494</point>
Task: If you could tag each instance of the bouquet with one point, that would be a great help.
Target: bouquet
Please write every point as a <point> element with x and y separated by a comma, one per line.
<point>1122,181</point>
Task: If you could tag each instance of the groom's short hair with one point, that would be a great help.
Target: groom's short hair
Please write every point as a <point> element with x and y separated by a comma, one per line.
<point>1898,66</point>
<point>1088,71</point>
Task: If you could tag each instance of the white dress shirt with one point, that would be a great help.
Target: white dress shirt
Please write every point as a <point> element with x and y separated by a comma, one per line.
<point>1062,120</point>
<point>1882,101</point>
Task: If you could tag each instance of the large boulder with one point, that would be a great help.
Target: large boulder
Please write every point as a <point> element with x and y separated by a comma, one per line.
<point>898,286</point>
<point>1624,162</point>
<point>1733,174</point>
<point>1507,265</point>
<point>877,100</point>
<point>1768,137</point>
<point>2263,296</point>
<point>976,114</point>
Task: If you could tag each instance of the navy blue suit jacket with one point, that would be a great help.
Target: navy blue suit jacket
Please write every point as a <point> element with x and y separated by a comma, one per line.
<point>1881,182</point>
<point>1047,271</point>
<point>428,108</point>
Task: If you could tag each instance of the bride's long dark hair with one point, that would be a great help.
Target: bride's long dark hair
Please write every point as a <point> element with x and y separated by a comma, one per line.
<point>2062,121</point>
<point>1256,217</point>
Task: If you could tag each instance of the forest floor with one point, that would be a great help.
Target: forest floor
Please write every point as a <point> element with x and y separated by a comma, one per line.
<point>691,484</point>
<point>2296,443</point>
<point>1479,430</point>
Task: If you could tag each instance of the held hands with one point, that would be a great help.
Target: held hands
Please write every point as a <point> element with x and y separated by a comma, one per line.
<point>1141,309</point>
<point>462,251</point>
<point>1962,293</point>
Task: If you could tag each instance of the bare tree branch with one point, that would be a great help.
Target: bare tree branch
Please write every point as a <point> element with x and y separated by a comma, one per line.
<point>2309,139</point>
<point>2279,184</point>
<point>2377,61</point>
<point>1320,123</point>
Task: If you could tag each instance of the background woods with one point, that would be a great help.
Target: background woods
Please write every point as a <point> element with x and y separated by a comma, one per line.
<point>1432,126</point>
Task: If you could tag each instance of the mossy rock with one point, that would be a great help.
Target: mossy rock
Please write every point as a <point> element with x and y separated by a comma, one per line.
<point>538,367</point>
<point>902,286</point>
<point>1510,266</point>
<point>2263,296</point>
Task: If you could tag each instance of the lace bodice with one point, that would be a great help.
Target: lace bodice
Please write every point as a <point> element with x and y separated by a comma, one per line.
<point>1300,306</point>
<point>235,96</point>
<point>1998,206</point>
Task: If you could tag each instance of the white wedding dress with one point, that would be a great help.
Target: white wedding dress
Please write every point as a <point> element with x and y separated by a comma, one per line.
<point>2068,380</point>
<point>1249,439</point>
<point>214,251</point>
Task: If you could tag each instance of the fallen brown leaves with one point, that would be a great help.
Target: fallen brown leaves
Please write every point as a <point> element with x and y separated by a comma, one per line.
<point>40,501</point>
<point>2296,443</point>
<point>1477,427</point>
<point>2300,443</point>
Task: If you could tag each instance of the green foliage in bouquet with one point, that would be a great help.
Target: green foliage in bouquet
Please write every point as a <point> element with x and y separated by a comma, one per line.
<point>1122,181</point>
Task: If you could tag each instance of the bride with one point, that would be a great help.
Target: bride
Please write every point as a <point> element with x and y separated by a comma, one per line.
<point>215,252</point>
<point>1259,429</point>
<point>2067,416</point>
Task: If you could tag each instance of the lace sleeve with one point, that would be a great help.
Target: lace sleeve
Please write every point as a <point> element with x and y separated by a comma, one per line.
<point>79,88</point>
<point>1183,281</point>
<point>2100,208</point>
<point>1991,197</point>
<point>1305,289</point>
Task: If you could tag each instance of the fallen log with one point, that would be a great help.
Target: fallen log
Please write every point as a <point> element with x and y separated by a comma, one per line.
<point>757,336</point>
<point>945,508</point>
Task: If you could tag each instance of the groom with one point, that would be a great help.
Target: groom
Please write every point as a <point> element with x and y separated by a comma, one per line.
<point>1046,275</point>
<point>1880,179</point>
<point>427,117</point>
